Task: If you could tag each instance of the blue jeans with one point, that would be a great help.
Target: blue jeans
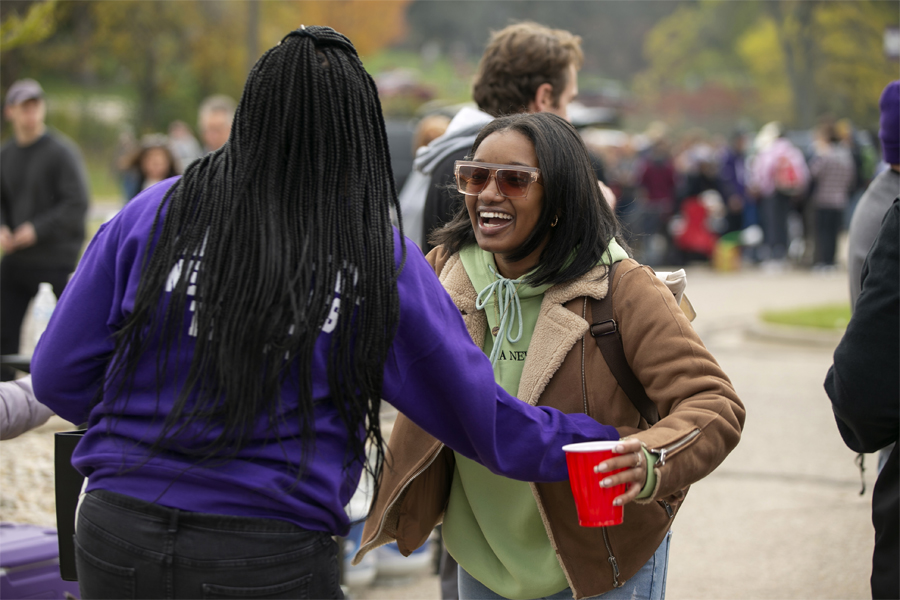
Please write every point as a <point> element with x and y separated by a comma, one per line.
<point>127,548</point>
<point>647,584</point>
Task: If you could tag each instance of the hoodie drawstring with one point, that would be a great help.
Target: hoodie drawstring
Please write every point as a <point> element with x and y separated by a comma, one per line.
<point>507,296</point>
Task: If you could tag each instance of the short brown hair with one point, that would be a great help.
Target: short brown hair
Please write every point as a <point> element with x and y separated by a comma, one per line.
<point>518,60</point>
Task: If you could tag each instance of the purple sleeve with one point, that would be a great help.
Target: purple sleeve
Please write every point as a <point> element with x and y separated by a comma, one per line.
<point>72,354</point>
<point>444,383</point>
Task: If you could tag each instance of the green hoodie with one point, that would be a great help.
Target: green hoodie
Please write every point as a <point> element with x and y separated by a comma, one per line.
<point>492,526</point>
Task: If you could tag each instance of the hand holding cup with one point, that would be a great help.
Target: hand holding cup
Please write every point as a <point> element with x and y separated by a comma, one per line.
<point>604,476</point>
<point>628,456</point>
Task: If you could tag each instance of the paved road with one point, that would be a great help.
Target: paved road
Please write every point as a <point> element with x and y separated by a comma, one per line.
<point>782,517</point>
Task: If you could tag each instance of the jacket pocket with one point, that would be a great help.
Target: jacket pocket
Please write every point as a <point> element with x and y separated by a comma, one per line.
<point>672,502</point>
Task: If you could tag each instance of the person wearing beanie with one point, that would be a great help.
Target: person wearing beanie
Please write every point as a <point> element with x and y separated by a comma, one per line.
<point>864,227</point>
<point>43,204</point>
<point>866,220</point>
<point>890,123</point>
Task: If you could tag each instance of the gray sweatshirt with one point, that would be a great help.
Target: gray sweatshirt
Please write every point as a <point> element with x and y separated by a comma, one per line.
<point>866,223</point>
<point>19,409</point>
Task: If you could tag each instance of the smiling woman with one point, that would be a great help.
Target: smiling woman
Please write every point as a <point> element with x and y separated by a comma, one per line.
<point>522,260</point>
<point>515,218</point>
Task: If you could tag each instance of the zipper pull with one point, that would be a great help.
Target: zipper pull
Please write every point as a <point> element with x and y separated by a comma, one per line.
<point>662,456</point>
<point>668,509</point>
<point>673,446</point>
<point>860,461</point>
<point>615,566</point>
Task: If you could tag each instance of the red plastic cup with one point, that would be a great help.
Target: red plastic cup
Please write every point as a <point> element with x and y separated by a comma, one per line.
<point>593,502</point>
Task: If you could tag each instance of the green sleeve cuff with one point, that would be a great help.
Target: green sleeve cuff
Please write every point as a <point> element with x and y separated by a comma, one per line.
<point>650,484</point>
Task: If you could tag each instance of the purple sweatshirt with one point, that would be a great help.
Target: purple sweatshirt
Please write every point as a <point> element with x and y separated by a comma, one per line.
<point>434,374</point>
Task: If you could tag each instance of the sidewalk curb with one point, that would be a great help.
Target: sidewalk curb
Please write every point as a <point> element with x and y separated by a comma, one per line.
<point>799,336</point>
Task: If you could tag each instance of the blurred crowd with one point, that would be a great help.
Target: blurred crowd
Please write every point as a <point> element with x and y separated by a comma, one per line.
<point>773,197</point>
<point>140,163</point>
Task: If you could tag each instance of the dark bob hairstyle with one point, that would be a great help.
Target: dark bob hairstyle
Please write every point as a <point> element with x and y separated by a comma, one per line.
<point>586,222</point>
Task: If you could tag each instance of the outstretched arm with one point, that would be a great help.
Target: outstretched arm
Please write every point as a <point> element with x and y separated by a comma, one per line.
<point>438,378</point>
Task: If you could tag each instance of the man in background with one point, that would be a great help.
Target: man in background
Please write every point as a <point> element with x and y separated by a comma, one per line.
<point>526,67</point>
<point>43,202</point>
<point>214,121</point>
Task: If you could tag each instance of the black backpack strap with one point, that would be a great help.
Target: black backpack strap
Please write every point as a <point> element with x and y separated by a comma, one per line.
<point>605,332</point>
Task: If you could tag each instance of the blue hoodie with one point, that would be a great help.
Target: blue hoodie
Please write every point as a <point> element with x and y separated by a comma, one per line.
<point>434,374</point>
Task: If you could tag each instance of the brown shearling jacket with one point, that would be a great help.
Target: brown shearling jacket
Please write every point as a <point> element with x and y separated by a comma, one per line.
<point>700,421</point>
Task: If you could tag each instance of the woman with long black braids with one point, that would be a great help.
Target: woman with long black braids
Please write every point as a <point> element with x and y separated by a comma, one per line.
<point>229,336</point>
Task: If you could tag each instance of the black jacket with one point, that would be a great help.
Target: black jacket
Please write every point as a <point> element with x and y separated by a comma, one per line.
<point>864,387</point>
<point>45,183</point>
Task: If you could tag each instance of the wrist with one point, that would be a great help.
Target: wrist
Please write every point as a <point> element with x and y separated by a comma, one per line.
<point>650,481</point>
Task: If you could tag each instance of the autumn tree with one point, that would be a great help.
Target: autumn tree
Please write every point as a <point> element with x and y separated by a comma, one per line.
<point>795,59</point>
<point>173,53</point>
<point>35,24</point>
<point>176,53</point>
<point>370,24</point>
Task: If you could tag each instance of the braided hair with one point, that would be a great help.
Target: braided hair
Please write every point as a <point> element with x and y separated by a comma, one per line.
<point>263,234</point>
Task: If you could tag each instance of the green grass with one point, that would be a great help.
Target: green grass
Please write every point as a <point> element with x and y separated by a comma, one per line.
<point>825,316</point>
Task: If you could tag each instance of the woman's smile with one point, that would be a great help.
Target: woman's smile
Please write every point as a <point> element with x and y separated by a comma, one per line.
<point>492,221</point>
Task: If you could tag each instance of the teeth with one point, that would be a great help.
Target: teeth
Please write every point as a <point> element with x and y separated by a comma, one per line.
<point>495,215</point>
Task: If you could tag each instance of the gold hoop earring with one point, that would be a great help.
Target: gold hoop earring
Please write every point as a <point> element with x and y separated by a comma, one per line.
<point>555,221</point>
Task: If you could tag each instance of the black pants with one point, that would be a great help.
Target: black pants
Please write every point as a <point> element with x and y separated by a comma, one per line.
<point>828,226</point>
<point>18,285</point>
<point>775,224</point>
<point>127,548</point>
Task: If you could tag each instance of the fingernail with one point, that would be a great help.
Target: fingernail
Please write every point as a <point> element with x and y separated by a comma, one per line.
<point>617,502</point>
<point>620,449</point>
<point>600,468</point>
<point>605,483</point>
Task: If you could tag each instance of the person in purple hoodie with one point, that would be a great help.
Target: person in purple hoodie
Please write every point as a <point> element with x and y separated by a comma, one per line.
<point>230,335</point>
